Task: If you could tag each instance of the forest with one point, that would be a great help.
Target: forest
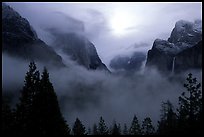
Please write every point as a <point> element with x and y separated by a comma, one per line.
<point>38,113</point>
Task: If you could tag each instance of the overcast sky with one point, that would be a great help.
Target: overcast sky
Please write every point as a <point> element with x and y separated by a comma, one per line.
<point>112,27</point>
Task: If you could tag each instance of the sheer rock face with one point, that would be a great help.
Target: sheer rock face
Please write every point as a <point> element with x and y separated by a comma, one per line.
<point>128,63</point>
<point>80,49</point>
<point>190,58</point>
<point>184,36</point>
<point>20,40</point>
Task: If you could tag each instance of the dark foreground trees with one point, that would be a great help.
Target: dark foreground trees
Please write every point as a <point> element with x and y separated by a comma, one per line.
<point>188,118</point>
<point>24,110</point>
<point>135,128</point>
<point>102,128</point>
<point>46,110</point>
<point>168,120</point>
<point>38,113</point>
<point>147,127</point>
<point>78,128</point>
<point>115,130</point>
<point>190,108</point>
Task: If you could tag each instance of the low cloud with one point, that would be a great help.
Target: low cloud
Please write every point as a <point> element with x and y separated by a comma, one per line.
<point>91,94</point>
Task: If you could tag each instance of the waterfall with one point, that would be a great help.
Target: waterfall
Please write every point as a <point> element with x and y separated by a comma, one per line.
<point>173,62</point>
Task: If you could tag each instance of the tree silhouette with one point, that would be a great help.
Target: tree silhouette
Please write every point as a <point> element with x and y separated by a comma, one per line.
<point>125,130</point>
<point>95,129</point>
<point>102,128</point>
<point>78,128</point>
<point>168,120</point>
<point>147,127</point>
<point>24,122</point>
<point>115,129</point>
<point>135,127</point>
<point>38,111</point>
<point>48,118</point>
<point>190,107</point>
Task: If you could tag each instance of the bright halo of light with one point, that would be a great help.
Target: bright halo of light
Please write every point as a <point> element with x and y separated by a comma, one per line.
<point>120,22</point>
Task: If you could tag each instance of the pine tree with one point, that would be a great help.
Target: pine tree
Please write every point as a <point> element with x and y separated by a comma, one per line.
<point>95,129</point>
<point>102,128</point>
<point>147,127</point>
<point>78,128</point>
<point>135,127</point>
<point>24,122</point>
<point>125,130</point>
<point>115,129</point>
<point>38,111</point>
<point>48,118</point>
<point>190,107</point>
<point>168,120</point>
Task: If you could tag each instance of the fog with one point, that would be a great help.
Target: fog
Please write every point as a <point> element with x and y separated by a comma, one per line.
<point>91,94</point>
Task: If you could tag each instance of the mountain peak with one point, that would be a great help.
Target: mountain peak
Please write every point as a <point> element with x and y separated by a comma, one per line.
<point>14,24</point>
<point>186,32</point>
<point>182,25</point>
<point>8,12</point>
<point>80,49</point>
<point>165,46</point>
<point>185,35</point>
<point>20,39</point>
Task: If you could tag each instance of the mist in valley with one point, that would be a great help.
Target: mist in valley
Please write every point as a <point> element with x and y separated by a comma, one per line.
<point>89,94</point>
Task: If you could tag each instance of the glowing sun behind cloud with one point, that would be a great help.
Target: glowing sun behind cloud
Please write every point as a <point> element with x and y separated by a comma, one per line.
<point>120,22</point>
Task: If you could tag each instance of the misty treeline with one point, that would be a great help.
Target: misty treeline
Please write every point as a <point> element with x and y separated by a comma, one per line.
<point>38,113</point>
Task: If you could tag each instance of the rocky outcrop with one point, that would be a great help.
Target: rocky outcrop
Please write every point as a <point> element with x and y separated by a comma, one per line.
<point>190,58</point>
<point>20,40</point>
<point>184,36</point>
<point>79,48</point>
<point>186,32</point>
<point>160,56</point>
<point>128,63</point>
